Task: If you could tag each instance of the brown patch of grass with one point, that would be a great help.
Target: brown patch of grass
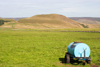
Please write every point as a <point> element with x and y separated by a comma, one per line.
<point>94,65</point>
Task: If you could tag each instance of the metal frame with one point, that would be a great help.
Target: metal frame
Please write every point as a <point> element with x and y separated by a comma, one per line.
<point>80,58</point>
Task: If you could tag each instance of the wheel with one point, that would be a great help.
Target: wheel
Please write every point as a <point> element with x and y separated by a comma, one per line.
<point>67,58</point>
<point>89,60</point>
<point>84,63</point>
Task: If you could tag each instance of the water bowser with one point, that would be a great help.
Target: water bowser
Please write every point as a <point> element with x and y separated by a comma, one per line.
<point>79,51</point>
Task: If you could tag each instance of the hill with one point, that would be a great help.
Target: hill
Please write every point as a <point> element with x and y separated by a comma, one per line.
<point>16,19</point>
<point>3,21</point>
<point>50,21</point>
<point>92,22</point>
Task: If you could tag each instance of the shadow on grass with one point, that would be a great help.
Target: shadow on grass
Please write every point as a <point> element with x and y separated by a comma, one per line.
<point>72,61</point>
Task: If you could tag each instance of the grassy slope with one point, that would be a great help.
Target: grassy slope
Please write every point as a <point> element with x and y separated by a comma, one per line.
<point>51,21</point>
<point>91,22</point>
<point>8,20</point>
<point>42,49</point>
<point>86,18</point>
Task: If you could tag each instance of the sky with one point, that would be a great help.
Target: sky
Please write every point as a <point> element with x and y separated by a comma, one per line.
<point>68,8</point>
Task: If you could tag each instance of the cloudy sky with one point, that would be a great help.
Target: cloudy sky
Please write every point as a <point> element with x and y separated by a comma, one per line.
<point>68,8</point>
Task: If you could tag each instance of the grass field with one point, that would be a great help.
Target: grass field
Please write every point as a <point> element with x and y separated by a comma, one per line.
<point>31,48</point>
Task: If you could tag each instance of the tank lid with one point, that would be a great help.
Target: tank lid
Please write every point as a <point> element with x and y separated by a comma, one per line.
<point>78,42</point>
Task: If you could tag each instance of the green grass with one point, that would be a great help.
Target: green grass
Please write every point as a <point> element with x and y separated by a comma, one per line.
<point>69,29</point>
<point>30,48</point>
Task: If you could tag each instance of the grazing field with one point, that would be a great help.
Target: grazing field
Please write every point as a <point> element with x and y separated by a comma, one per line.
<point>34,48</point>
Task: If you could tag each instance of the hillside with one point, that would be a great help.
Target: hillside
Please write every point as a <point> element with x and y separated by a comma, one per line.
<point>92,22</point>
<point>50,21</point>
<point>3,21</point>
<point>16,19</point>
<point>87,18</point>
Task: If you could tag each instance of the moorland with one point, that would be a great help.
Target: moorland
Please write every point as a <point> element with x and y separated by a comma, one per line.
<point>42,40</point>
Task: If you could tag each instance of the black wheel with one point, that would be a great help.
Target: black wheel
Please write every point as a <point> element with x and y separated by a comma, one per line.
<point>89,60</point>
<point>84,63</point>
<point>67,58</point>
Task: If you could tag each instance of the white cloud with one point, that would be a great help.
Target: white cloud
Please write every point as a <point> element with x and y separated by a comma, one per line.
<point>30,7</point>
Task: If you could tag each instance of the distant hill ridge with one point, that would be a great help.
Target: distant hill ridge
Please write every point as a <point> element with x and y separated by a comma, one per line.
<point>91,22</point>
<point>51,21</point>
<point>2,21</point>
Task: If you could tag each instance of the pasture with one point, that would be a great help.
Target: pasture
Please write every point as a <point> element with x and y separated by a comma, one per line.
<point>34,48</point>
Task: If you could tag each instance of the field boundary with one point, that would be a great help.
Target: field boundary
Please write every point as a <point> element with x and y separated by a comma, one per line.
<point>68,31</point>
<point>82,31</point>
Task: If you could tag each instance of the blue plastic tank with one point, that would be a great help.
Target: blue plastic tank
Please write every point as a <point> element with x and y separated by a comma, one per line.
<point>78,49</point>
